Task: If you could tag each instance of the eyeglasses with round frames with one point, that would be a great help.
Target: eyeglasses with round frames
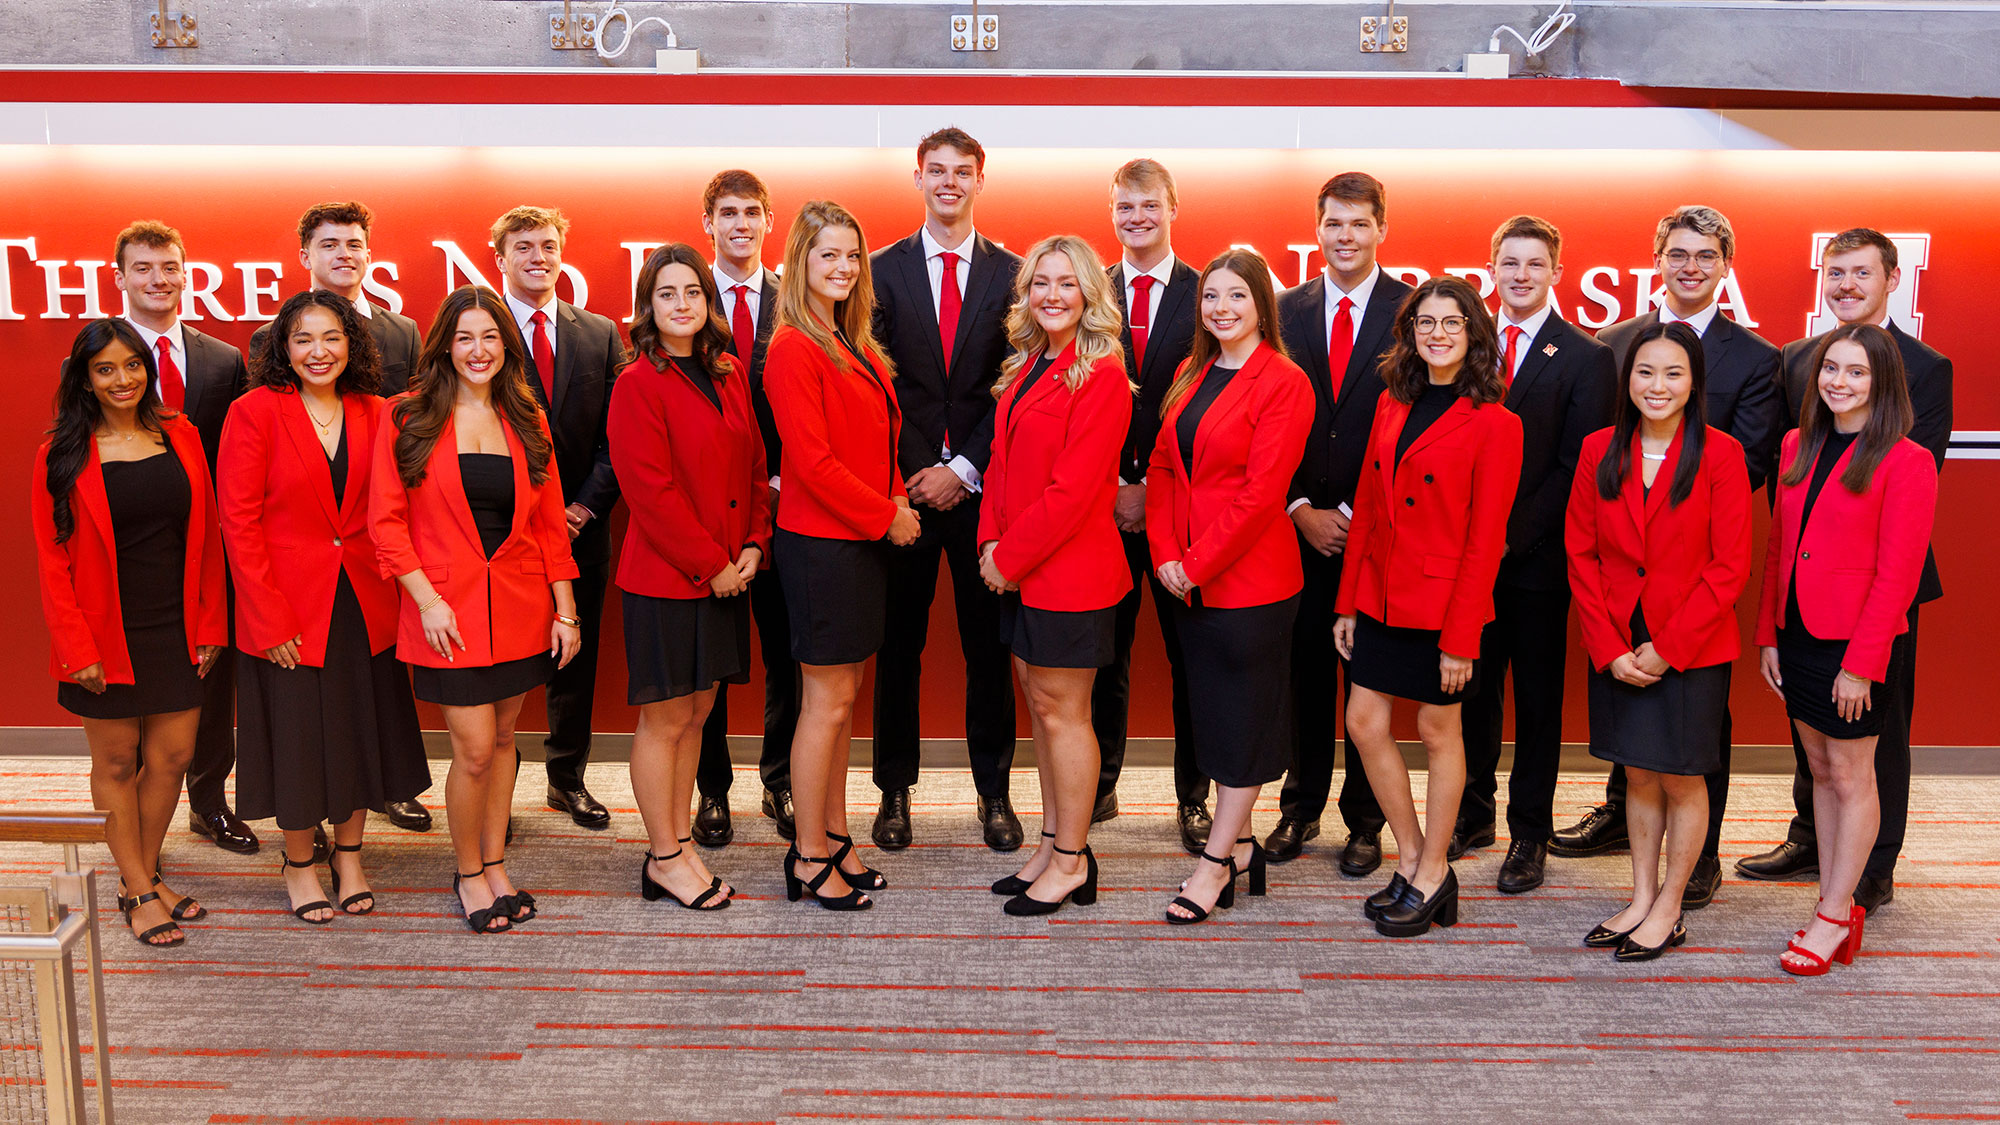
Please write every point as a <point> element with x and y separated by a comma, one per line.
<point>1452,325</point>
<point>1678,259</point>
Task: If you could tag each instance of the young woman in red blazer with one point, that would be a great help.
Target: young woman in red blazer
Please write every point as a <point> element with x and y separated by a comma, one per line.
<point>837,419</point>
<point>1430,525</point>
<point>1234,427</point>
<point>130,561</point>
<point>467,514</point>
<point>1854,507</point>
<point>1658,535</point>
<point>689,457</point>
<point>326,727</point>
<point>1048,543</point>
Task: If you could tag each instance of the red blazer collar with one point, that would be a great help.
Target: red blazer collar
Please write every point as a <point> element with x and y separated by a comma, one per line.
<point>1224,402</point>
<point>1458,415</point>
<point>1050,379</point>
<point>1645,505</point>
<point>444,471</point>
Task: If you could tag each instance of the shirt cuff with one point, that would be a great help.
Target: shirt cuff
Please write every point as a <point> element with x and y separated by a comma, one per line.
<point>1296,505</point>
<point>588,514</point>
<point>966,471</point>
<point>774,482</point>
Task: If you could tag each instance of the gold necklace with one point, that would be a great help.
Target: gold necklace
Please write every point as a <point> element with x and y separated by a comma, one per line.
<point>325,427</point>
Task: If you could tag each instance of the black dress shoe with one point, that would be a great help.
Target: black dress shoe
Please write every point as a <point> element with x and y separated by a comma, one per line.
<point>1001,826</point>
<point>223,827</point>
<point>580,805</point>
<point>1288,838</point>
<point>892,821</point>
<point>1629,950</point>
<point>1464,838</point>
<point>1361,855</point>
<point>1873,891</point>
<point>1788,862</point>
<point>711,827</point>
<point>778,809</point>
<point>1195,822</point>
<point>1523,869</point>
<point>1602,829</point>
<point>1107,808</point>
<point>408,816</point>
<point>1707,876</point>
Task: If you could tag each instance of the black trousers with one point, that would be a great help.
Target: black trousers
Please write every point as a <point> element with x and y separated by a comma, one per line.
<point>1111,695</point>
<point>1317,677</point>
<point>1892,765</point>
<point>989,676</point>
<point>1718,794</point>
<point>1530,634</point>
<point>215,738</point>
<point>781,699</point>
<point>572,691</point>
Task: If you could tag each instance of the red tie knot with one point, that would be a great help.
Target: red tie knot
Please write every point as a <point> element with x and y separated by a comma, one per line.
<point>540,318</point>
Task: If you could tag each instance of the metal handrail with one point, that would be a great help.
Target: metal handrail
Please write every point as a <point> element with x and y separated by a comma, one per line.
<point>74,889</point>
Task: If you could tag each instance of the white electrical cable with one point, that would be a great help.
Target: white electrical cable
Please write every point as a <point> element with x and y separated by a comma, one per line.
<point>1538,41</point>
<point>632,29</point>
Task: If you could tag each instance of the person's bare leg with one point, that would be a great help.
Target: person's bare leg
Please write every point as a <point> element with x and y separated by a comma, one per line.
<point>656,743</point>
<point>302,884</point>
<point>1232,817</point>
<point>114,788</point>
<point>1646,821</point>
<point>466,786</point>
<point>1067,757</point>
<point>166,746</point>
<point>1686,828</point>
<point>687,756</point>
<point>1847,815</point>
<point>819,765</point>
<point>1444,750</point>
<point>1368,715</point>
<point>353,879</point>
<point>500,801</point>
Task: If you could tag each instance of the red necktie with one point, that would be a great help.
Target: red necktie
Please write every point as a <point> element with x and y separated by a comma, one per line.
<point>1514,335</point>
<point>1142,317</point>
<point>741,325</point>
<point>173,387</point>
<point>545,357</point>
<point>948,301</point>
<point>1340,345</point>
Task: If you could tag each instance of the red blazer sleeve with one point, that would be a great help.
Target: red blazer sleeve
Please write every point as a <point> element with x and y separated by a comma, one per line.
<point>1909,504</point>
<point>1163,485</point>
<point>795,374</point>
<point>1092,444</point>
<point>1711,605</point>
<point>1496,474</point>
<point>389,503</point>
<point>642,460</point>
<point>1768,607</point>
<point>242,470</point>
<point>1603,642</point>
<point>548,523</point>
<point>211,626</point>
<point>1361,528</point>
<point>1283,416</point>
<point>75,648</point>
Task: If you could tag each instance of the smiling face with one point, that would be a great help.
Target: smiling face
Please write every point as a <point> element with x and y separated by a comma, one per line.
<point>738,227</point>
<point>833,265</point>
<point>117,377</point>
<point>1143,220</point>
<point>1847,384</point>
<point>1228,310</point>
<point>1348,236</point>
<point>317,347</point>
<point>477,348</point>
<point>949,180</point>
<point>337,257</point>
<point>1661,380</point>
<point>1855,285</point>
<point>1055,296</point>
<point>1692,268</point>
<point>152,279</point>
<point>532,261</point>
<point>680,308</point>
<point>1439,333</point>
<point>1524,271</point>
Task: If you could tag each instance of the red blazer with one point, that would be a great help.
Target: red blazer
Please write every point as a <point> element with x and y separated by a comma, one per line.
<point>838,429</point>
<point>1052,482</point>
<point>79,577</point>
<point>1686,563</point>
<point>1226,520</point>
<point>1425,544</point>
<point>289,537</point>
<point>693,477</point>
<point>503,604</point>
<point>1858,565</point>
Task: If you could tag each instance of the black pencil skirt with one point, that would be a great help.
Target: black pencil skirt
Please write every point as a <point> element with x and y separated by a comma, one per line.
<point>1809,666</point>
<point>1239,676</point>
<point>836,594</point>
<point>1057,638</point>
<point>1403,663</point>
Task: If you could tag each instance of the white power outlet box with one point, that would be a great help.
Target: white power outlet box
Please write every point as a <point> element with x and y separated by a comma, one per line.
<point>975,33</point>
<point>676,60</point>
<point>1483,64</point>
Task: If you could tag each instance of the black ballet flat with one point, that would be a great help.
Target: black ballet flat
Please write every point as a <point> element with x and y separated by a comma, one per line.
<point>711,898</point>
<point>1025,905</point>
<point>867,879</point>
<point>1014,884</point>
<point>1629,950</point>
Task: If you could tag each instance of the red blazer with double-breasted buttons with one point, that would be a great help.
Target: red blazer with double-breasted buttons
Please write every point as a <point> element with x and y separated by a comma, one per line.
<point>837,465</point>
<point>693,476</point>
<point>1686,563</point>
<point>289,537</point>
<point>503,604</point>
<point>1425,544</point>
<point>79,576</point>
<point>1052,482</point>
<point>1859,561</point>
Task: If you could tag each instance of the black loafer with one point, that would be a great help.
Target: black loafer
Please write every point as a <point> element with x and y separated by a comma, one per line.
<point>892,821</point>
<point>1107,808</point>
<point>1373,906</point>
<point>1361,855</point>
<point>711,827</point>
<point>1524,868</point>
<point>1702,883</point>
<point>1288,839</point>
<point>222,826</point>
<point>1602,829</point>
<point>580,805</point>
<point>1194,823</point>
<point>408,816</point>
<point>1464,838</point>
<point>1874,891</point>
<point>1788,862</point>
<point>778,810</point>
<point>999,824</point>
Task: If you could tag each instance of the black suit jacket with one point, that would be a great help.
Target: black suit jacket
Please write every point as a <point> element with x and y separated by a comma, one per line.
<point>1168,340</point>
<point>1929,374</point>
<point>589,355</point>
<point>942,406</point>
<point>397,340</point>
<point>1742,399</point>
<point>767,322</point>
<point>216,376</point>
<point>1339,439</point>
<point>1564,392</point>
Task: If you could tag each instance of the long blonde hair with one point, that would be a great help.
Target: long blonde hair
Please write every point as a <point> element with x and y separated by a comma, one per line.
<point>1097,333</point>
<point>856,315</point>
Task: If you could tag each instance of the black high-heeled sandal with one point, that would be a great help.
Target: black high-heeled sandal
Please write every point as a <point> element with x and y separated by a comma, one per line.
<point>302,911</point>
<point>867,879</point>
<point>711,897</point>
<point>187,909</point>
<point>480,920</point>
<point>128,905</point>
<point>714,880</point>
<point>1014,884</point>
<point>796,888</point>
<point>347,904</point>
<point>515,903</point>
<point>1255,868</point>
<point>1025,905</point>
<point>1196,912</point>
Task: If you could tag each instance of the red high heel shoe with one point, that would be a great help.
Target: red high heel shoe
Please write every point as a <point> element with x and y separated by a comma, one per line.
<point>1817,966</point>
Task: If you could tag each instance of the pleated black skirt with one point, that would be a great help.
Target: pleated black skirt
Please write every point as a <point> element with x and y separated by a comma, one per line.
<point>679,646</point>
<point>473,687</point>
<point>1809,665</point>
<point>1239,675</point>
<point>164,681</point>
<point>836,594</point>
<point>314,745</point>
<point>1673,726</point>
<point>1056,638</point>
<point>1402,662</point>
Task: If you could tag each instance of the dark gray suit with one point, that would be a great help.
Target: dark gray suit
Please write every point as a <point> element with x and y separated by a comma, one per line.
<point>216,375</point>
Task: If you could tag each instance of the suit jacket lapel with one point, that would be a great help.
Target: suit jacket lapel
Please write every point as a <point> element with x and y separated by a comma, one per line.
<point>524,496</point>
<point>196,346</point>
<point>567,342</point>
<point>917,280</point>
<point>1312,309</point>
<point>978,279</point>
<point>1375,322</point>
<point>1458,415</point>
<point>1045,386</point>
<point>1180,291</point>
<point>1537,359</point>
<point>89,495</point>
<point>1230,396</point>
<point>305,443</point>
<point>444,473</point>
<point>1117,275</point>
<point>360,447</point>
<point>1715,343</point>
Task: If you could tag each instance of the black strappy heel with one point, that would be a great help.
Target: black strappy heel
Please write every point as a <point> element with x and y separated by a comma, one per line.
<point>347,904</point>
<point>1223,901</point>
<point>128,905</point>
<point>515,903</point>
<point>187,909</point>
<point>711,897</point>
<point>480,920</point>
<point>795,887</point>
<point>714,880</point>
<point>302,911</point>
<point>1255,868</point>
<point>1025,905</point>
<point>1014,884</point>
<point>868,879</point>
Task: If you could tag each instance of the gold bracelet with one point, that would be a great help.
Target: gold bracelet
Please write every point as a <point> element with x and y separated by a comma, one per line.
<point>572,622</point>
<point>426,607</point>
<point>1855,678</point>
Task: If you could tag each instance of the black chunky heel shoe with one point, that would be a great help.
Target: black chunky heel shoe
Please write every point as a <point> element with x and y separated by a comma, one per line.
<point>867,879</point>
<point>1413,914</point>
<point>797,888</point>
<point>1195,912</point>
<point>1025,905</point>
<point>1255,868</point>
<point>711,897</point>
<point>714,880</point>
<point>1014,884</point>
<point>1385,898</point>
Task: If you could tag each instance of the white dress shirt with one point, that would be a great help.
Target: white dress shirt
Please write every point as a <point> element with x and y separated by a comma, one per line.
<point>1359,296</point>
<point>753,294</point>
<point>934,266</point>
<point>1699,321</point>
<point>1161,273</point>
<point>1530,328</point>
<point>176,346</point>
<point>523,314</point>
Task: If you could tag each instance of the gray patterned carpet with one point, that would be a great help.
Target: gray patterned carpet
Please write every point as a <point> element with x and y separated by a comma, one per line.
<point>936,1007</point>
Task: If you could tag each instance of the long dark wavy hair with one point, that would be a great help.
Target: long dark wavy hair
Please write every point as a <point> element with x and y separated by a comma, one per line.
<point>271,365</point>
<point>421,416</point>
<point>1404,369</point>
<point>78,413</point>
<point>1256,273</point>
<point>1694,416</point>
<point>711,343</point>
<point>1890,415</point>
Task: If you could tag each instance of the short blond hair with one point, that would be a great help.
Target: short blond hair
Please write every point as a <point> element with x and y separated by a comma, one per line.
<point>526,217</point>
<point>1146,174</point>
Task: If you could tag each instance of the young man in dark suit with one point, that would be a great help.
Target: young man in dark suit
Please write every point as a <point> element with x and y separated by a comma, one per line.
<point>1858,271</point>
<point>1336,327</point>
<point>1693,248</point>
<point>1156,295</point>
<point>736,216</point>
<point>941,300</point>
<point>333,247</point>
<point>1562,385</point>
<point>199,376</point>
<point>574,359</point>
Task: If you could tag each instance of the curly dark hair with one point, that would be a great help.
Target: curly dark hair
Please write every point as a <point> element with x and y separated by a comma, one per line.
<point>271,360</point>
<point>1404,369</point>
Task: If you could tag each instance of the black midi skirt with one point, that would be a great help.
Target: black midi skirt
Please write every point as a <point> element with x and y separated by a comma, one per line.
<point>1057,638</point>
<point>1403,663</point>
<point>163,680</point>
<point>1673,726</point>
<point>679,646</point>
<point>836,594</point>
<point>1239,676</point>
